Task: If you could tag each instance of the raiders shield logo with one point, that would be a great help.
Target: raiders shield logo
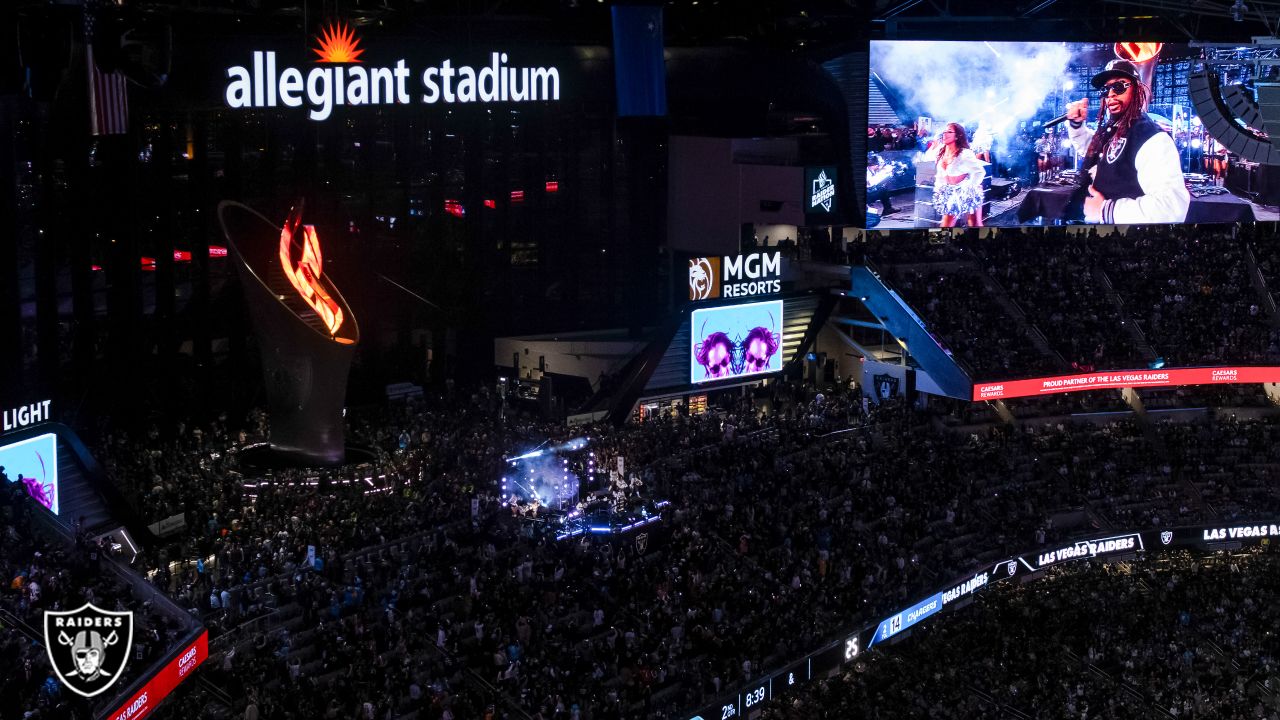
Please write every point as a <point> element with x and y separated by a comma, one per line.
<point>1012,568</point>
<point>886,386</point>
<point>88,647</point>
<point>1114,148</point>
<point>642,542</point>
<point>1166,537</point>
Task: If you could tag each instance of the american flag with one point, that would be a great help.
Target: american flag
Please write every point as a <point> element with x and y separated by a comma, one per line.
<point>108,96</point>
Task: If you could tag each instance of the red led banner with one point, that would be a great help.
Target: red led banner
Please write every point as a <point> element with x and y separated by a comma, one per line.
<point>1116,379</point>
<point>163,682</point>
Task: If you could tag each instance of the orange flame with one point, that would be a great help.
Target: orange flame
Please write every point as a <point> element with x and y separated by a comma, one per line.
<point>305,276</point>
<point>338,44</point>
<point>1138,51</point>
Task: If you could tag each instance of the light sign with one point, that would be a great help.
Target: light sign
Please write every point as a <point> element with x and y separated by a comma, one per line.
<point>735,275</point>
<point>340,79</point>
<point>24,415</point>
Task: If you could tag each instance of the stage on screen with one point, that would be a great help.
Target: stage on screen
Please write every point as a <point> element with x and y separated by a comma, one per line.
<point>1012,134</point>
<point>33,463</point>
<point>736,341</point>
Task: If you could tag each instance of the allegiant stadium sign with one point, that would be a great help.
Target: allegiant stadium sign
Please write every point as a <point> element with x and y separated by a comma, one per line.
<point>340,79</point>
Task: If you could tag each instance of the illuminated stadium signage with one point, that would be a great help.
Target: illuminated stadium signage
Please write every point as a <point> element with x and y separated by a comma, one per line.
<point>820,189</point>
<point>1085,549</point>
<point>340,79</point>
<point>966,588</point>
<point>735,276</point>
<point>1124,379</point>
<point>1244,532</point>
<point>736,341</point>
<point>34,464</point>
<point>146,700</point>
<point>897,623</point>
<point>24,415</point>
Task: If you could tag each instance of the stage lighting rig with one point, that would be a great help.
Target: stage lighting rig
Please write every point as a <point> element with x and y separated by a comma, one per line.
<point>1238,10</point>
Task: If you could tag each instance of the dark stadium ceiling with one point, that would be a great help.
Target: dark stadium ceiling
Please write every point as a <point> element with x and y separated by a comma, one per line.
<point>807,26</point>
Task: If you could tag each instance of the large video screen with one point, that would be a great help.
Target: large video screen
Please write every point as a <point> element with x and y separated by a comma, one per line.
<point>736,341</point>
<point>963,134</point>
<point>34,463</point>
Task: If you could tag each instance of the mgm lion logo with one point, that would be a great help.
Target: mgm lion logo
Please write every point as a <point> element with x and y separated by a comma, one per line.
<point>704,278</point>
<point>88,647</point>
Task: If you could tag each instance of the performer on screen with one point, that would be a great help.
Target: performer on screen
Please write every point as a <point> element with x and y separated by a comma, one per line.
<point>1135,169</point>
<point>957,184</point>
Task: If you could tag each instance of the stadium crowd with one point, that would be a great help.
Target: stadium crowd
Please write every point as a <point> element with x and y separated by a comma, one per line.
<point>402,586</point>
<point>1174,636</point>
<point>1183,296</point>
<point>424,605</point>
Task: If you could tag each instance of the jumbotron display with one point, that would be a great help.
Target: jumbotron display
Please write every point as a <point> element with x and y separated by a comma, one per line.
<point>1010,134</point>
<point>34,463</point>
<point>736,341</point>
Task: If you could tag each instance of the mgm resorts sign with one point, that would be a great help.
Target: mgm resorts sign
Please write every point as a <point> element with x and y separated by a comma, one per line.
<point>339,78</point>
<point>735,276</point>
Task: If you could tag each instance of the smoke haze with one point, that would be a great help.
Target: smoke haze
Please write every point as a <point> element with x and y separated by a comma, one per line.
<point>995,84</point>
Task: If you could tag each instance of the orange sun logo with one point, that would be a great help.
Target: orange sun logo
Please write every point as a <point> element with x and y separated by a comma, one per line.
<point>338,44</point>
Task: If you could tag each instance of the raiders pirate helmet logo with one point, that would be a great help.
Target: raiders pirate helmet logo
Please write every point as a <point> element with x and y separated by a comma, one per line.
<point>1114,149</point>
<point>88,647</point>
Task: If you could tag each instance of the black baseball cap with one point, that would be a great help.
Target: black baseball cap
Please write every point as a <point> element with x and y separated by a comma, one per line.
<point>1116,69</point>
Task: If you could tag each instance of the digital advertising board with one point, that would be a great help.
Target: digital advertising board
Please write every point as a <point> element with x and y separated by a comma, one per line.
<point>735,341</point>
<point>1043,133</point>
<point>735,276</point>
<point>34,463</point>
<point>1171,377</point>
<point>146,699</point>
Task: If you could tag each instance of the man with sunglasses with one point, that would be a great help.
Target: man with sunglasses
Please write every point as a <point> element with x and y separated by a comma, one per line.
<point>1134,165</point>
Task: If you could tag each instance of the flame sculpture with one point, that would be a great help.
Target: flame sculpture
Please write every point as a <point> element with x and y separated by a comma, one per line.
<point>305,274</point>
<point>1138,52</point>
<point>1144,55</point>
<point>338,44</point>
<point>306,332</point>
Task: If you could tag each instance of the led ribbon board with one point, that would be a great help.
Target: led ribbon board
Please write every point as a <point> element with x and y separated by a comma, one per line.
<point>1117,379</point>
